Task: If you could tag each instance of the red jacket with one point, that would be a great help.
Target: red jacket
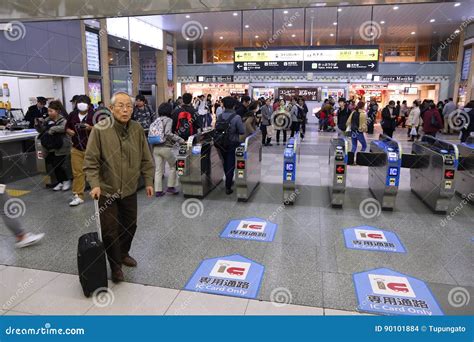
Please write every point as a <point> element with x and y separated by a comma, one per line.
<point>427,126</point>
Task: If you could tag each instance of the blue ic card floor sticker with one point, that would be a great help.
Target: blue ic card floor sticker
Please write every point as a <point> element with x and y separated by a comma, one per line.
<point>373,239</point>
<point>232,275</point>
<point>252,228</point>
<point>384,291</point>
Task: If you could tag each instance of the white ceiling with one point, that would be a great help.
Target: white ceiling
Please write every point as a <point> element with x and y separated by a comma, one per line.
<point>397,27</point>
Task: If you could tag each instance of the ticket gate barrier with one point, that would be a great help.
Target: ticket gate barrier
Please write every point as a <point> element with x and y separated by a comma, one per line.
<point>465,175</point>
<point>338,161</point>
<point>433,180</point>
<point>384,176</point>
<point>248,165</point>
<point>199,165</point>
<point>292,150</point>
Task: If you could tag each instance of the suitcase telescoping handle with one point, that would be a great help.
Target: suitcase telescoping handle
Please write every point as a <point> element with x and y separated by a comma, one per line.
<point>97,218</point>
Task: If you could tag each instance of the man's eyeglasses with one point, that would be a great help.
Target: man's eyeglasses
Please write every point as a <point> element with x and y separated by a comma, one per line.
<point>123,106</point>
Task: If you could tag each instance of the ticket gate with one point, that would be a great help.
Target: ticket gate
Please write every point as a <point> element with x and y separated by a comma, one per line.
<point>384,174</point>
<point>433,181</point>
<point>465,175</point>
<point>248,165</point>
<point>292,150</point>
<point>338,161</point>
<point>199,165</point>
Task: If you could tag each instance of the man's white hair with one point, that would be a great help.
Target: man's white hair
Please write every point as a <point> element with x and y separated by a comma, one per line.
<point>114,97</point>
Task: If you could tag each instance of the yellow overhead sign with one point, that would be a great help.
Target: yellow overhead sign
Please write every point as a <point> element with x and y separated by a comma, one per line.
<point>335,55</point>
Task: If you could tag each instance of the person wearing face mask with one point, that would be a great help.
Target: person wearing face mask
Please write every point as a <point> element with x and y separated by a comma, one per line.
<point>56,144</point>
<point>389,119</point>
<point>78,127</point>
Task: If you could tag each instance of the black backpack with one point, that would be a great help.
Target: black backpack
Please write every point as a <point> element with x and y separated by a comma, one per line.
<point>300,114</point>
<point>222,133</point>
<point>51,141</point>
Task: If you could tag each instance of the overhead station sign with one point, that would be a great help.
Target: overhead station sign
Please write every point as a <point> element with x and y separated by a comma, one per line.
<point>312,58</point>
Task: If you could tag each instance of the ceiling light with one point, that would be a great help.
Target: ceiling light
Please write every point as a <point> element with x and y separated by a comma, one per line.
<point>432,20</point>
<point>382,22</point>
<point>395,8</point>
<point>247,26</point>
<point>457,4</point>
<point>339,9</point>
<point>413,32</point>
<point>332,34</point>
<point>285,12</point>
<point>123,47</point>
<point>221,37</point>
<point>235,14</point>
<point>140,46</point>
<point>188,16</point>
<point>290,25</point>
<point>118,40</point>
<point>457,31</point>
<point>334,23</point>
<point>293,35</point>
<point>205,27</point>
<point>256,37</point>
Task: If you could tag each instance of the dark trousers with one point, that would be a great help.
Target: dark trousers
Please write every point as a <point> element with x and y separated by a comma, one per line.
<point>263,128</point>
<point>229,165</point>
<point>370,127</point>
<point>278,135</point>
<point>58,166</point>
<point>303,127</point>
<point>388,132</point>
<point>295,128</point>
<point>118,219</point>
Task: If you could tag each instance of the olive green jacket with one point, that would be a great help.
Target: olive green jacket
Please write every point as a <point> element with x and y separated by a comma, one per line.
<point>115,157</point>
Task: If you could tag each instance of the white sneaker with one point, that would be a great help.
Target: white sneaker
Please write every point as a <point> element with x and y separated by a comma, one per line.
<point>29,239</point>
<point>76,200</point>
<point>58,187</point>
<point>66,185</point>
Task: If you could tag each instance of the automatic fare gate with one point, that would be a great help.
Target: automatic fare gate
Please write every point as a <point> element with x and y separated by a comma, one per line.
<point>465,176</point>
<point>199,165</point>
<point>289,170</point>
<point>248,165</point>
<point>433,180</point>
<point>383,160</point>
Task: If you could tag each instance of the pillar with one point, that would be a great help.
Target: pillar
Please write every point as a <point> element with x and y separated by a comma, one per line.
<point>104,62</point>
<point>161,74</point>
<point>135,68</point>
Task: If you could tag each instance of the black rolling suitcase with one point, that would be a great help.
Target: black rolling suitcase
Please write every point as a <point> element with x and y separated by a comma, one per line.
<point>91,261</point>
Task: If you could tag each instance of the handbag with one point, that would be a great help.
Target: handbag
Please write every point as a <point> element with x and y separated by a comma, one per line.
<point>413,131</point>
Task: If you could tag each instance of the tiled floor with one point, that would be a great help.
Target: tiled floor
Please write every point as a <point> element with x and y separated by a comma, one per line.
<point>307,257</point>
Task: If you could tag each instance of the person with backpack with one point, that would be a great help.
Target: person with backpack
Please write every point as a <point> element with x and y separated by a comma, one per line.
<point>228,129</point>
<point>162,138</point>
<point>432,121</point>
<point>142,113</point>
<point>56,144</point>
<point>357,125</point>
<point>185,122</point>
<point>342,115</point>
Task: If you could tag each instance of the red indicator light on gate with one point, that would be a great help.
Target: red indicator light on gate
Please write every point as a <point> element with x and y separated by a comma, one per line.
<point>180,163</point>
<point>449,174</point>
<point>340,169</point>
<point>241,164</point>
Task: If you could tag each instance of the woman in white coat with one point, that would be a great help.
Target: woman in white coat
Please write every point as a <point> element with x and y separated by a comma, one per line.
<point>414,121</point>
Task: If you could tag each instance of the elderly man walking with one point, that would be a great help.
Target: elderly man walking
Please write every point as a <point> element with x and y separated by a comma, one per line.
<point>117,155</point>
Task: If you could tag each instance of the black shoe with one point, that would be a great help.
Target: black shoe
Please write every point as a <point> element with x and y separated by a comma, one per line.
<point>228,191</point>
<point>268,144</point>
